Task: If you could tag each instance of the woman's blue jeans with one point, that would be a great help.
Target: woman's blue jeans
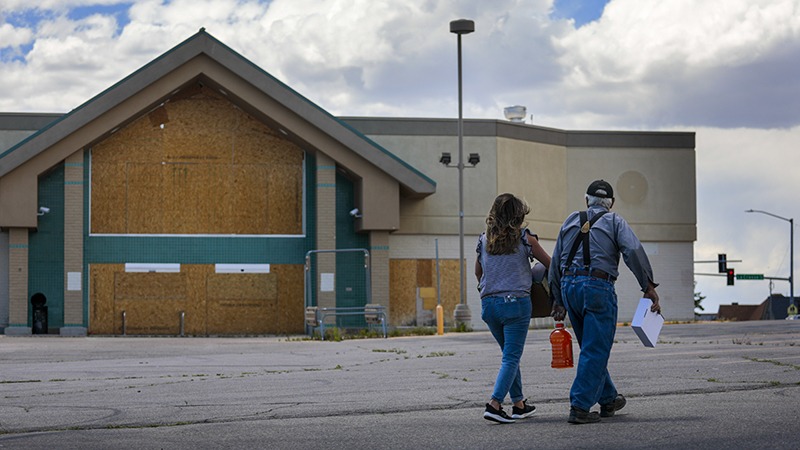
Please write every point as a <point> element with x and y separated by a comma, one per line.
<point>592,307</point>
<point>508,319</point>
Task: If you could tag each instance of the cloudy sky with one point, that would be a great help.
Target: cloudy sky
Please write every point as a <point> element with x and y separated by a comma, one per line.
<point>727,69</point>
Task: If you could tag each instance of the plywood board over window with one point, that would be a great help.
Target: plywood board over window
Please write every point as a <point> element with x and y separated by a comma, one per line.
<point>407,276</point>
<point>197,165</point>
<point>211,303</point>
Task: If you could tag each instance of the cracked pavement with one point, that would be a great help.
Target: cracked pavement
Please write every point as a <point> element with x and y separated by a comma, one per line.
<point>705,385</point>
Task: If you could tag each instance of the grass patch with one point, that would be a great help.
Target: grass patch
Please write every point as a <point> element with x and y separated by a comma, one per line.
<point>461,328</point>
<point>414,331</point>
<point>339,334</point>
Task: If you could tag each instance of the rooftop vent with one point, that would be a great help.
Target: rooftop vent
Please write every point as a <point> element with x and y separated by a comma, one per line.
<point>515,113</point>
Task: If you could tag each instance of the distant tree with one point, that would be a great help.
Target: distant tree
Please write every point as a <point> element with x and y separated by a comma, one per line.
<point>698,299</point>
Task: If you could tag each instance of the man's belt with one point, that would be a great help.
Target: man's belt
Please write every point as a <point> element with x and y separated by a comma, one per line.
<point>593,273</point>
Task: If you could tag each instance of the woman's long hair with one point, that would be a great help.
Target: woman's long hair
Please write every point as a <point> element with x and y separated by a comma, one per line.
<point>504,224</point>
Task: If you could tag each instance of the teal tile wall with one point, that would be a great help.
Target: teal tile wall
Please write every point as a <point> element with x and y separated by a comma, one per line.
<point>196,250</point>
<point>46,249</point>
<point>351,281</point>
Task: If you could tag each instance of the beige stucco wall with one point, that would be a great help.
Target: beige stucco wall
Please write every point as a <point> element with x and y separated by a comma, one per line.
<point>536,173</point>
<point>662,207</point>
<point>438,213</point>
<point>552,179</point>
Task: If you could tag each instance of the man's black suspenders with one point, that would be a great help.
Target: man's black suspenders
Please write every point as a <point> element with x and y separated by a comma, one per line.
<point>583,237</point>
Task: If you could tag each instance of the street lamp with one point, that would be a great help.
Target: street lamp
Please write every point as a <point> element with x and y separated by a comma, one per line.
<point>791,251</point>
<point>461,313</point>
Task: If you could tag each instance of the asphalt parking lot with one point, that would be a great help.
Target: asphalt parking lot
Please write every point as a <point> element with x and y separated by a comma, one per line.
<point>705,385</point>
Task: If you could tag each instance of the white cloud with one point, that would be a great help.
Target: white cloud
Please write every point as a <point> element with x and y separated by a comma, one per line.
<point>636,38</point>
<point>12,36</point>
<point>683,62</point>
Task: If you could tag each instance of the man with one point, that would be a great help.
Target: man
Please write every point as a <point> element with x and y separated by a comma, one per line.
<point>582,284</point>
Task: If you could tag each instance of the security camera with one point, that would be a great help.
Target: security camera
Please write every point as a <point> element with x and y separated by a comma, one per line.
<point>355,213</point>
<point>43,210</point>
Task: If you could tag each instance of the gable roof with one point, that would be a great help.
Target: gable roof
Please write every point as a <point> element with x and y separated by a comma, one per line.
<point>297,108</point>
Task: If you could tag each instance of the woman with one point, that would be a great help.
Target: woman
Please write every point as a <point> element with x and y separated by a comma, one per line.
<point>503,270</point>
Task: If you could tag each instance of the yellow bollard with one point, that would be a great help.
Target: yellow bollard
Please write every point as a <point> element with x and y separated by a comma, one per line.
<point>439,320</point>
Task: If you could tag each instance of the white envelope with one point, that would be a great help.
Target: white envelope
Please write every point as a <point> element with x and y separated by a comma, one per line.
<point>647,324</point>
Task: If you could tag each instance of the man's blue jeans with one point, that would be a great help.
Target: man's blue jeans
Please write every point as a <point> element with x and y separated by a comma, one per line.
<point>508,319</point>
<point>592,307</point>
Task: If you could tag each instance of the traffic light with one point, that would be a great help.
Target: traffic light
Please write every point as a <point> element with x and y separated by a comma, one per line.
<point>723,262</point>
<point>731,277</point>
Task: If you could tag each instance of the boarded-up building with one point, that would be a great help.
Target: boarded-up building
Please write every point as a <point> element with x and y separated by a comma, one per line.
<point>202,195</point>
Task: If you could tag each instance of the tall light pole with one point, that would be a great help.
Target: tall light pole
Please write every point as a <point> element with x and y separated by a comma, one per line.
<point>461,313</point>
<point>791,251</point>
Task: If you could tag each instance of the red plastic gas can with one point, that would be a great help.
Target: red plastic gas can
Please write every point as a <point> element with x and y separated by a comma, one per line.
<point>561,341</point>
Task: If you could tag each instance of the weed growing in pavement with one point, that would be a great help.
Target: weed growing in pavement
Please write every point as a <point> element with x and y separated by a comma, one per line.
<point>438,354</point>
<point>443,375</point>
<point>391,350</point>
<point>297,338</point>
<point>772,361</point>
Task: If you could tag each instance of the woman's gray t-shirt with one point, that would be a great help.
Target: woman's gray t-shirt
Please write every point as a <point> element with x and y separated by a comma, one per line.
<point>506,275</point>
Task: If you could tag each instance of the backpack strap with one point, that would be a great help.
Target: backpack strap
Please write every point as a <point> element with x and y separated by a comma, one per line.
<point>583,237</point>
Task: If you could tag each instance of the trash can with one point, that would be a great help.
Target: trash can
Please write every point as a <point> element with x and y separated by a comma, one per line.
<point>39,313</point>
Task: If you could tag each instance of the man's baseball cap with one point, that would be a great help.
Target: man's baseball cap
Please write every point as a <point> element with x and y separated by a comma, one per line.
<point>600,188</point>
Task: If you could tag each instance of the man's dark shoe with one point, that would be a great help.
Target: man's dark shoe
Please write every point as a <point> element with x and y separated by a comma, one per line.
<point>496,415</point>
<point>524,412</point>
<point>580,416</point>
<point>609,409</point>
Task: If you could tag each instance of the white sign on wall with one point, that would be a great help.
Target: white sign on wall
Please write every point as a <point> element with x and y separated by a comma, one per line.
<point>73,281</point>
<point>326,282</point>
